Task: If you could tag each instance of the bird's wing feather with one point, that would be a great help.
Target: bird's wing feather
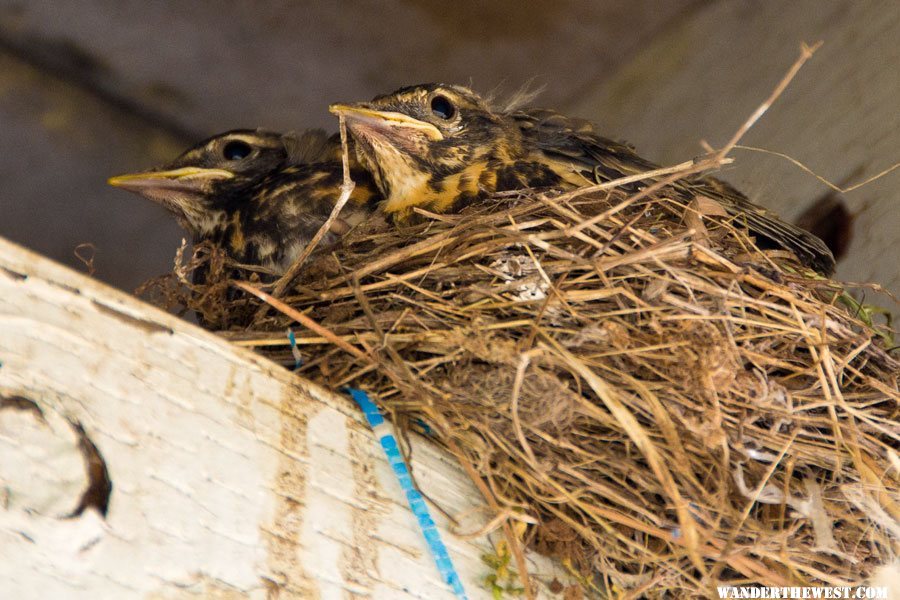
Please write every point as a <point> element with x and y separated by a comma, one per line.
<point>312,145</point>
<point>603,159</point>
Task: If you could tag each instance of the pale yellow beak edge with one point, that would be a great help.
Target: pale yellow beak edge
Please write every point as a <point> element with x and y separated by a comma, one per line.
<point>183,174</point>
<point>364,114</point>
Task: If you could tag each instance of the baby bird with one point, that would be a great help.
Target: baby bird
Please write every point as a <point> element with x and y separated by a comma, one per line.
<point>259,195</point>
<point>439,147</point>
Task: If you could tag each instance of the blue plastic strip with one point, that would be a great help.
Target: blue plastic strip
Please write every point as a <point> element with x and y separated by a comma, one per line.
<point>295,351</point>
<point>425,427</point>
<point>385,436</point>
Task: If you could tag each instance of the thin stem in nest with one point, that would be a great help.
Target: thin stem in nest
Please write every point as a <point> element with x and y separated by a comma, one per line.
<point>303,320</point>
<point>346,189</point>
<point>806,53</point>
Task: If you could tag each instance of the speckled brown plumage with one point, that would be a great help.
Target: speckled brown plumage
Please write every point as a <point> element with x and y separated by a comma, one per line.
<point>439,147</point>
<point>259,195</point>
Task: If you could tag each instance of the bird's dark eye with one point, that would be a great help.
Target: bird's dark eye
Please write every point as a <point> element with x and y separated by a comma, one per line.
<point>236,150</point>
<point>442,107</point>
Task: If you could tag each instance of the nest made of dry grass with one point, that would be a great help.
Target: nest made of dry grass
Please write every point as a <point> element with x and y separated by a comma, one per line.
<point>666,405</point>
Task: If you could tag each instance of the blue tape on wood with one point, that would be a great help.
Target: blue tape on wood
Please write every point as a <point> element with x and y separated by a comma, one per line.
<point>417,504</point>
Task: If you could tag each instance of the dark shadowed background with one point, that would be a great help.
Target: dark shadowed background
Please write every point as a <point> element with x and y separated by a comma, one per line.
<point>94,88</point>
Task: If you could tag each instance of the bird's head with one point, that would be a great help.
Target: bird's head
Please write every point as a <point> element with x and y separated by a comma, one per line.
<point>211,180</point>
<point>422,134</point>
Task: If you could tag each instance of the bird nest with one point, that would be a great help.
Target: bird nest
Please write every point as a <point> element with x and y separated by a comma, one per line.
<point>662,404</point>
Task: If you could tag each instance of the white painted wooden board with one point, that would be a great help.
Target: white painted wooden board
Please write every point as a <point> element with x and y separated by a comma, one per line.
<point>840,116</point>
<point>231,476</point>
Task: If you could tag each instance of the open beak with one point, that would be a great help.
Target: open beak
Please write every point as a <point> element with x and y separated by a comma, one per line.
<point>382,122</point>
<point>154,184</point>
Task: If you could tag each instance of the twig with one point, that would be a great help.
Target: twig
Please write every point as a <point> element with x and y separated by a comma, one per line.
<point>302,319</point>
<point>806,53</point>
<point>524,360</point>
<point>830,185</point>
<point>346,190</point>
<point>683,168</point>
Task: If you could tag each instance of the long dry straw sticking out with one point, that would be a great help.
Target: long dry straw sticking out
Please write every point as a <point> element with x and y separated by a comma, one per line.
<point>832,186</point>
<point>806,53</point>
<point>718,158</point>
<point>681,169</point>
<point>303,320</point>
<point>346,190</point>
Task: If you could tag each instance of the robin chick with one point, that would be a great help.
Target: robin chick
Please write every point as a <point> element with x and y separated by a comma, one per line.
<point>259,195</point>
<point>439,147</point>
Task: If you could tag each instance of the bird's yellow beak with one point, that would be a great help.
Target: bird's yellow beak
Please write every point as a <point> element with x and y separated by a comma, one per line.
<point>183,179</point>
<point>365,117</point>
